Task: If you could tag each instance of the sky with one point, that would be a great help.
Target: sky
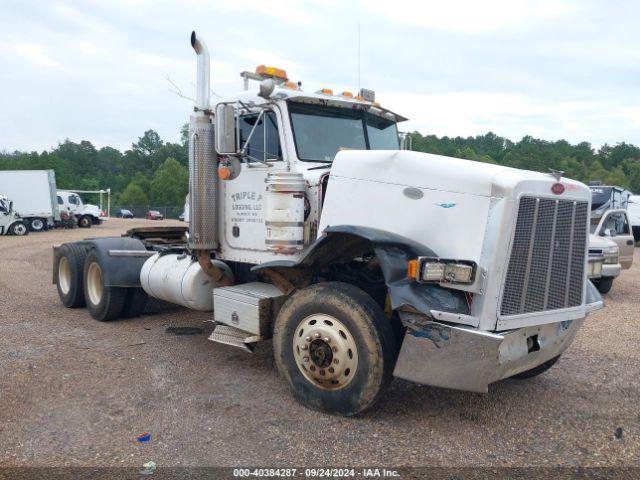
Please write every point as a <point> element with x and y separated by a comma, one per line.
<point>99,70</point>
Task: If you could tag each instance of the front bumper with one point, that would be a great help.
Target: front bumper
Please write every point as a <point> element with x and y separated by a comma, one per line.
<point>464,358</point>
<point>611,269</point>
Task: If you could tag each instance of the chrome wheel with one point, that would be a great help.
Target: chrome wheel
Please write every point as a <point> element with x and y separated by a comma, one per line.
<point>94,283</point>
<point>20,229</point>
<point>64,275</point>
<point>325,351</point>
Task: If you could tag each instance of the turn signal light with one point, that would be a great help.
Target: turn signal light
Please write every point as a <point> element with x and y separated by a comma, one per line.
<point>412,269</point>
<point>266,71</point>
<point>224,172</point>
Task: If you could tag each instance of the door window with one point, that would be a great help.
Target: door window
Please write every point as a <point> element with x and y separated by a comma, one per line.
<point>265,142</point>
<point>617,222</point>
<point>60,202</point>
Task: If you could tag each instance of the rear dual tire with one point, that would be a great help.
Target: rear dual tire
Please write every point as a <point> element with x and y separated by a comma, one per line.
<point>80,282</point>
<point>37,225</point>
<point>70,266</point>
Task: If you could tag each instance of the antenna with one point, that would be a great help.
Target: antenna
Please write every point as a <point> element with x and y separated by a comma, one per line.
<point>358,57</point>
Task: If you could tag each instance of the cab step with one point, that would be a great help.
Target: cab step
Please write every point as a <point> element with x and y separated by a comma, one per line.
<point>235,337</point>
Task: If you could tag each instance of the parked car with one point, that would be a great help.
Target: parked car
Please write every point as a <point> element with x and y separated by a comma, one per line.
<point>154,215</point>
<point>181,217</point>
<point>124,213</point>
<point>604,262</point>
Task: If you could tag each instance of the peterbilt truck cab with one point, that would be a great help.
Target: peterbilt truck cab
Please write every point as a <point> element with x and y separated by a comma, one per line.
<point>310,228</point>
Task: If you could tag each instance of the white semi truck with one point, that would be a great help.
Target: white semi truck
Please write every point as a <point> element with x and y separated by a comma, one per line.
<point>33,193</point>
<point>85,214</point>
<point>359,261</point>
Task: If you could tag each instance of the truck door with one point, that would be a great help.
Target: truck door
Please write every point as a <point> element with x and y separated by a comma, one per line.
<point>615,225</point>
<point>243,208</point>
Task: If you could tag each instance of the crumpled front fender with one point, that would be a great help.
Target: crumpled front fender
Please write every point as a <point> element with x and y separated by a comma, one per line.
<point>344,242</point>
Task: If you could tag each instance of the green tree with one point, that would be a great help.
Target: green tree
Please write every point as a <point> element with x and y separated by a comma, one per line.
<point>170,183</point>
<point>133,195</point>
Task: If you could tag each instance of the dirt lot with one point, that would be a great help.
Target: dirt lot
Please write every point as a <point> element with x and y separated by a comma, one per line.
<point>74,391</point>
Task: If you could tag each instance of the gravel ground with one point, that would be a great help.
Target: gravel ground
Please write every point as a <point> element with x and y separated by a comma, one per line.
<point>76,392</point>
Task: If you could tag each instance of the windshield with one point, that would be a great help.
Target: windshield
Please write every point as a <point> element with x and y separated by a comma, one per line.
<point>599,196</point>
<point>320,131</point>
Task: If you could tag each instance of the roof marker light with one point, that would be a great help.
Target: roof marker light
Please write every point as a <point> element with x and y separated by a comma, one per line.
<point>272,72</point>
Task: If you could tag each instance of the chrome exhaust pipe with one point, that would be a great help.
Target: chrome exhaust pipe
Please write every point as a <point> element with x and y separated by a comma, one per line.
<point>202,81</point>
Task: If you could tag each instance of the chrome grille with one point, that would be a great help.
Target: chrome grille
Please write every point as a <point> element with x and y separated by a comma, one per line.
<point>546,268</point>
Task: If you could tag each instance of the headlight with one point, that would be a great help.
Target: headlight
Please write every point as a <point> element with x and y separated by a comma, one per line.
<point>610,254</point>
<point>439,270</point>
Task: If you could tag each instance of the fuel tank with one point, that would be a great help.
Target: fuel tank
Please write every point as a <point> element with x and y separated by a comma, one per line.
<point>177,278</point>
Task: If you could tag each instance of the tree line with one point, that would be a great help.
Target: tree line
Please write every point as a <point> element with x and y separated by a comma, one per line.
<point>154,172</point>
<point>612,165</point>
<point>151,172</point>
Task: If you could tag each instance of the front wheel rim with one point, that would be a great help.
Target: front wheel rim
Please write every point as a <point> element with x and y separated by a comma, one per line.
<point>94,283</point>
<point>325,352</point>
<point>19,229</point>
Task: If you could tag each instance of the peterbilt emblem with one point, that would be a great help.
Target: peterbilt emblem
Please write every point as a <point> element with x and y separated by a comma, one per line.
<point>557,188</point>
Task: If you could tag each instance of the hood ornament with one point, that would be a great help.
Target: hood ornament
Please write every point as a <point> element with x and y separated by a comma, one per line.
<point>557,174</point>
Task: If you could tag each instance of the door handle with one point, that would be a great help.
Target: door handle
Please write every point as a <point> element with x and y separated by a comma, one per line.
<point>629,242</point>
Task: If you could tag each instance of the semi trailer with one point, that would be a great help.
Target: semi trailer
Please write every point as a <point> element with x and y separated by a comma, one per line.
<point>33,193</point>
<point>310,228</point>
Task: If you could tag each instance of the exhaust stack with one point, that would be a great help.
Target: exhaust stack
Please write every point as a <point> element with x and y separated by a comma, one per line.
<point>202,80</point>
<point>203,161</point>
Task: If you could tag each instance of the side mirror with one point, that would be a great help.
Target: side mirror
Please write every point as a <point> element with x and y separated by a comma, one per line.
<point>11,206</point>
<point>225,129</point>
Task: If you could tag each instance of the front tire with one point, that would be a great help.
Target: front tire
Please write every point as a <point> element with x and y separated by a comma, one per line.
<point>85,222</point>
<point>104,303</point>
<point>18,228</point>
<point>335,348</point>
<point>604,284</point>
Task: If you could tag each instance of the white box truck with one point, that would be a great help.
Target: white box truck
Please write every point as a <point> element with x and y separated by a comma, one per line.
<point>33,193</point>
<point>311,229</point>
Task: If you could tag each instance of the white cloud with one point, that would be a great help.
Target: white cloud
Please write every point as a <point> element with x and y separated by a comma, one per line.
<point>35,53</point>
<point>468,17</point>
<point>96,70</point>
<point>513,116</point>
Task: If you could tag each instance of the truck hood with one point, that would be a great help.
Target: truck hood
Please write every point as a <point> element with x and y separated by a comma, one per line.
<point>460,209</point>
<point>428,171</point>
<point>89,209</point>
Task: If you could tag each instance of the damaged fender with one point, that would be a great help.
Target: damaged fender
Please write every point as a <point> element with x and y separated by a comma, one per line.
<point>341,244</point>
